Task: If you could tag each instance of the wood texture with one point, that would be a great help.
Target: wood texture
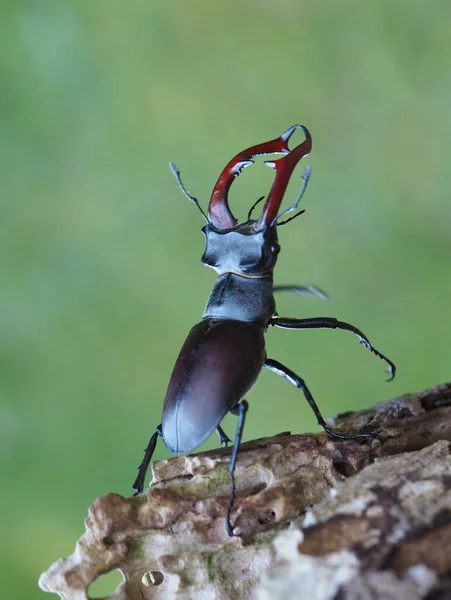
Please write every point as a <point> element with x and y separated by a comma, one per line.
<point>315,518</point>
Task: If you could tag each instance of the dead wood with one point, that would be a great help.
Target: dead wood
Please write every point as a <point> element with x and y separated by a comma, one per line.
<point>315,518</point>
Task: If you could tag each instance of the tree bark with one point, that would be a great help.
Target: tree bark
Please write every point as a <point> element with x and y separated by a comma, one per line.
<point>315,517</point>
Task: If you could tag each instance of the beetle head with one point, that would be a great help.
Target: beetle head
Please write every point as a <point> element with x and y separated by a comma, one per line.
<point>250,249</point>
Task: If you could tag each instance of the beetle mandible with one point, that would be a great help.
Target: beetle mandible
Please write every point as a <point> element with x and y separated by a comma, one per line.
<point>224,353</point>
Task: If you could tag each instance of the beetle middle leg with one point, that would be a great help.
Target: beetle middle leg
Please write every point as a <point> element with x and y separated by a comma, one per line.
<point>276,367</point>
<point>331,323</point>
<point>138,486</point>
<point>239,409</point>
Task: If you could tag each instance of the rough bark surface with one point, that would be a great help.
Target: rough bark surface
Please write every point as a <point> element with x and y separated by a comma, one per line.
<point>315,518</point>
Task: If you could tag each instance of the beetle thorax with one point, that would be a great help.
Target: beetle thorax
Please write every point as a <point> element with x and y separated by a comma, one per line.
<point>241,250</point>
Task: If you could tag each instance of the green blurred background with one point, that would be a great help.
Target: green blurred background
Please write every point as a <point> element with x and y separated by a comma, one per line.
<point>100,253</point>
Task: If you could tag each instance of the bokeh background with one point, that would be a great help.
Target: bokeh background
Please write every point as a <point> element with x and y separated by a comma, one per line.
<point>100,273</point>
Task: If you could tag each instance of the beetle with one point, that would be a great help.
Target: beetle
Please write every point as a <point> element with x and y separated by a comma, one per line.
<point>225,352</point>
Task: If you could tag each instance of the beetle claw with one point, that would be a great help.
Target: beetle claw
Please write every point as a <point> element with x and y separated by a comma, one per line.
<point>230,529</point>
<point>219,213</point>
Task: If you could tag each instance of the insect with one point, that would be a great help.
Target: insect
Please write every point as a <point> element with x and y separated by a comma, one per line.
<point>224,353</point>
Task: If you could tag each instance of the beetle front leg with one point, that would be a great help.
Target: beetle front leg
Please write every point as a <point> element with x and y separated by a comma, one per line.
<point>239,409</point>
<point>331,323</point>
<point>280,369</point>
<point>138,486</point>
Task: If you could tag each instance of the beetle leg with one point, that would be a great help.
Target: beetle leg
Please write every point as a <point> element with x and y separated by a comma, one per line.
<point>249,214</point>
<point>138,486</point>
<point>277,367</point>
<point>176,174</point>
<point>239,409</point>
<point>223,437</point>
<point>302,290</point>
<point>331,323</point>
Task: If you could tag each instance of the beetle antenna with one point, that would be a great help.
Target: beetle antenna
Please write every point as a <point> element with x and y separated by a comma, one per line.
<point>304,177</point>
<point>249,214</point>
<point>176,174</point>
<point>301,212</point>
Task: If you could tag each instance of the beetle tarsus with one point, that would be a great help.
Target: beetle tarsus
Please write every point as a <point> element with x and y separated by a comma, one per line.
<point>239,409</point>
<point>138,486</point>
<point>332,323</point>
<point>223,437</point>
<point>276,367</point>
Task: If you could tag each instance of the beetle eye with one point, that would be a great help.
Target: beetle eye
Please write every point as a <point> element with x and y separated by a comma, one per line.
<point>275,249</point>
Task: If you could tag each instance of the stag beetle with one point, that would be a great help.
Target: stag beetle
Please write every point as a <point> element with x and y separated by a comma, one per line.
<point>224,353</point>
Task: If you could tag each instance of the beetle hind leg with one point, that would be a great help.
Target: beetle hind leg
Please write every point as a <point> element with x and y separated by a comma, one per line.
<point>280,369</point>
<point>239,409</point>
<point>138,486</point>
